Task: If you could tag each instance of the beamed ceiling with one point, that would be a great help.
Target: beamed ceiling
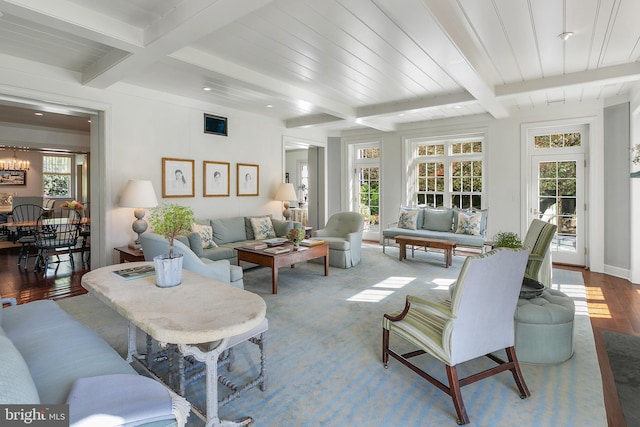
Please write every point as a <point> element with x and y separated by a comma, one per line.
<point>340,64</point>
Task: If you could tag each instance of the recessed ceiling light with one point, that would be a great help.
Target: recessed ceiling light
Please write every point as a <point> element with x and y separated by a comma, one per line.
<point>565,36</point>
<point>269,106</point>
<point>39,114</point>
<point>206,89</point>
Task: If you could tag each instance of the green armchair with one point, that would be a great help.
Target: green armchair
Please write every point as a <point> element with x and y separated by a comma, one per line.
<point>538,240</point>
<point>343,233</point>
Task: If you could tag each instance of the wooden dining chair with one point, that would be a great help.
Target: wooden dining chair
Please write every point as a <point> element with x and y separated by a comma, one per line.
<point>27,214</point>
<point>56,232</point>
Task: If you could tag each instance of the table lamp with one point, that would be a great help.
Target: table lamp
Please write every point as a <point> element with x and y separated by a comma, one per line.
<point>285,193</point>
<point>138,194</point>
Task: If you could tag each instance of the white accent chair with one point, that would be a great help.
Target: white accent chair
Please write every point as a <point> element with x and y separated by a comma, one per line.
<point>478,321</point>
<point>343,233</point>
<point>221,270</point>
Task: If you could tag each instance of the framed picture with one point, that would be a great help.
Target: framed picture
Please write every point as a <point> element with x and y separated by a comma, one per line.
<point>216,179</point>
<point>13,177</point>
<point>177,178</point>
<point>247,179</point>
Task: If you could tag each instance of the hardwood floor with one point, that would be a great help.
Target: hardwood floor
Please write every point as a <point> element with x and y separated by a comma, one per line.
<point>27,286</point>
<point>614,304</point>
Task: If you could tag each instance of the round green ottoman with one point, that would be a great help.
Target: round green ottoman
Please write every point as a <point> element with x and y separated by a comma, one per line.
<point>544,328</point>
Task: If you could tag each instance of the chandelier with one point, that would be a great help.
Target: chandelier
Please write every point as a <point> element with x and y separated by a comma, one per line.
<point>13,163</point>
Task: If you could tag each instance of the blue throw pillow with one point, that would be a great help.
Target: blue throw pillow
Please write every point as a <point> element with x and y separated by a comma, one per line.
<point>438,219</point>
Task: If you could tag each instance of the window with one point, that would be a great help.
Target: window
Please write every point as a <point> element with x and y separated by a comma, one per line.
<point>56,176</point>
<point>448,173</point>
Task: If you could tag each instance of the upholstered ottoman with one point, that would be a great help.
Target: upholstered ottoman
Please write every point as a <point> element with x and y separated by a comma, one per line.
<point>544,328</point>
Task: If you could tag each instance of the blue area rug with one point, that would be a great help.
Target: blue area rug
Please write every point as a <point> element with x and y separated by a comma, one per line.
<point>324,354</point>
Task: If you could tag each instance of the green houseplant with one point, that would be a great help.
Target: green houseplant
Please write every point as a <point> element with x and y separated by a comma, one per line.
<point>295,235</point>
<point>170,220</point>
<point>507,239</point>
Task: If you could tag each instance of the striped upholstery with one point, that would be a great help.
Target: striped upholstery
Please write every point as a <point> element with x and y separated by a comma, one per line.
<point>538,240</point>
<point>478,321</point>
<point>479,318</point>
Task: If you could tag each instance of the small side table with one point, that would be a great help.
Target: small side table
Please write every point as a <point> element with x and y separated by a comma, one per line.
<point>128,254</point>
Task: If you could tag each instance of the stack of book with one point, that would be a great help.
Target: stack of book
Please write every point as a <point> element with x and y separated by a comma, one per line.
<point>135,272</point>
<point>312,242</point>
<point>255,245</point>
<point>278,250</point>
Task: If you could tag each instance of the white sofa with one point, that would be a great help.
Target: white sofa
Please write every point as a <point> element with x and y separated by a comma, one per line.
<point>48,357</point>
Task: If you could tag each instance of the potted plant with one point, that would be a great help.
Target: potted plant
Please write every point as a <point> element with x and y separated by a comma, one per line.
<point>295,236</point>
<point>507,239</point>
<point>170,220</point>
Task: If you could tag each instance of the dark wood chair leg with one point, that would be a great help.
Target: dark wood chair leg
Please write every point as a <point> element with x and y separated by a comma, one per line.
<point>517,373</point>
<point>385,347</point>
<point>456,395</point>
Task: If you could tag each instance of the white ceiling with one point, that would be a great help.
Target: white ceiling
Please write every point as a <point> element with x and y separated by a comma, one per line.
<point>340,63</point>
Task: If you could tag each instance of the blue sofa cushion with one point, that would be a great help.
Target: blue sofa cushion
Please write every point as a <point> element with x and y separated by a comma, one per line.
<point>460,239</point>
<point>438,219</point>
<point>226,230</point>
<point>16,384</point>
<point>195,243</point>
<point>72,349</point>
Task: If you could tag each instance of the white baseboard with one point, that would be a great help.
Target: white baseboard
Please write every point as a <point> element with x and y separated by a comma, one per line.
<point>622,273</point>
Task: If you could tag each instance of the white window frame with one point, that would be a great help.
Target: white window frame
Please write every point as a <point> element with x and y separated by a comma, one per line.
<point>413,159</point>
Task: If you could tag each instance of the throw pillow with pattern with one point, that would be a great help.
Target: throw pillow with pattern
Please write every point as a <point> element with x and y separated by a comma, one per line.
<point>469,224</point>
<point>206,235</point>
<point>408,219</point>
<point>262,228</point>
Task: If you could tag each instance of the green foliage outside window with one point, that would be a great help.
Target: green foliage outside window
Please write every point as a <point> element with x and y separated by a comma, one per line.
<point>56,176</point>
<point>57,185</point>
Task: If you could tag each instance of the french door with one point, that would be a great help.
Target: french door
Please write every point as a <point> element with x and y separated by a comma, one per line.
<point>366,195</point>
<point>557,196</point>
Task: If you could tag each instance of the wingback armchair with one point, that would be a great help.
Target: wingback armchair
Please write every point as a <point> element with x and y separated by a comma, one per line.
<point>221,270</point>
<point>538,240</point>
<point>477,321</point>
<point>343,233</point>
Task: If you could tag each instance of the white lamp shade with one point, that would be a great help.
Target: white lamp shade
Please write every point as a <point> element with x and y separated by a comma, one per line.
<point>286,191</point>
<point>138,194</point>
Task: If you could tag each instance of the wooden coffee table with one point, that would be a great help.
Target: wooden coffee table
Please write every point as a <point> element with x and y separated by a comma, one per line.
<point>275,261</point>
<point>446,245</point>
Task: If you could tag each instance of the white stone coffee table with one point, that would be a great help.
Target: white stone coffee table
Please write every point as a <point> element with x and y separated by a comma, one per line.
<point>198,311</point>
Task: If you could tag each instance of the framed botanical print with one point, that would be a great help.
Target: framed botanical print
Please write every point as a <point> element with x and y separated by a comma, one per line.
<point>216,179</point>
<point>247,179</point>
<point>177,177</point>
